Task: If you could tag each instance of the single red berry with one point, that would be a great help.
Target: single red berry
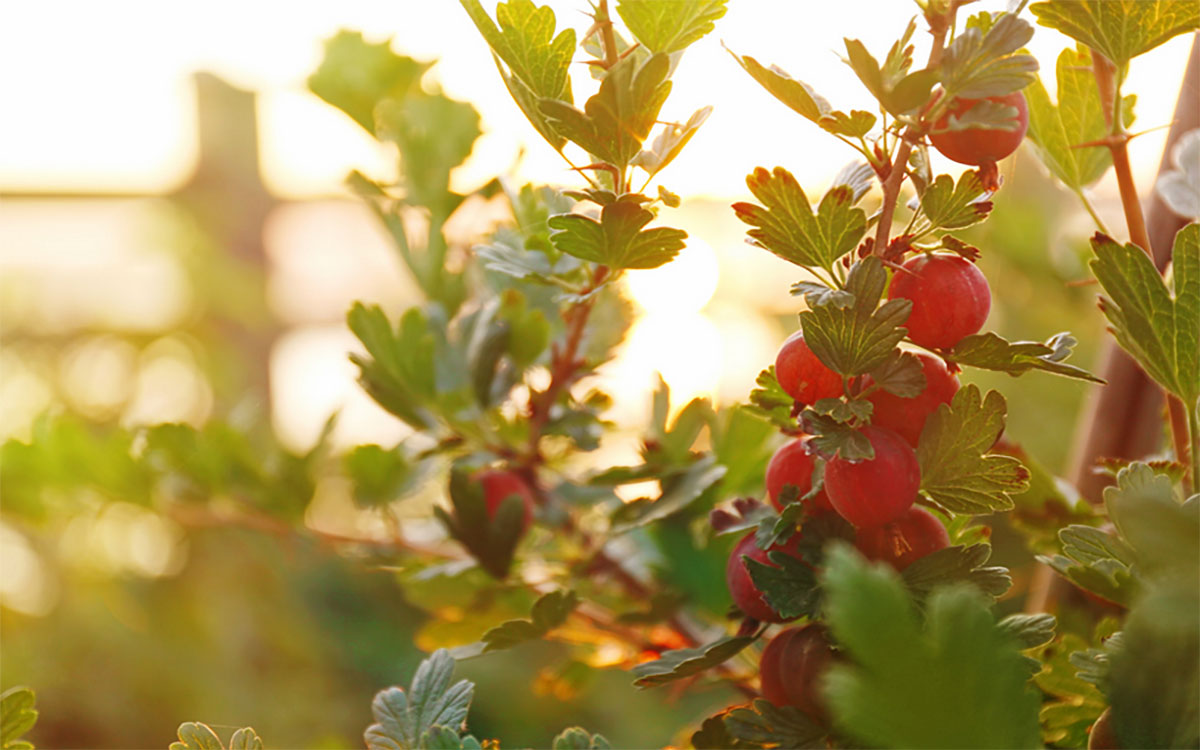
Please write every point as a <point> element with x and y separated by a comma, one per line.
<point>792,667</point>
<point>906,416</point>
<point>792,464</point>
<point>802,375</point>
<point>745,595</point>
<point>878,491</point>
<point>904,541</point>
<point>499,485</point>
<point>1102,736</point>
<point>979,146</point>
<point>950,299</point>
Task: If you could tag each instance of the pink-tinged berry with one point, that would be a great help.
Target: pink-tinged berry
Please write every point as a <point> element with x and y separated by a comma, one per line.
<point>793,465</point>
<point>802,375</point>
<point>906,416</point>
<point>901,543</point>
<point>979,146</point>
<point>950,299</point>
<point>877,491</point>
<point>791,669</point>
<point>499,485</point>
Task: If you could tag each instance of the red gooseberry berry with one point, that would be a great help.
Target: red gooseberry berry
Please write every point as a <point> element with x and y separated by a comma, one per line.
<point>950,299</point>
<point>745,594</point>
<point>876,491</point>
<point>979,146</point>
<point>905,540</point>
<point>802,375</point>
<point>792,666</point>
<point>793,465</point>
<point>499,485</point>
<point>906,416</point>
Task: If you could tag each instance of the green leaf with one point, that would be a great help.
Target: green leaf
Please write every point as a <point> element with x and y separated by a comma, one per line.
<point>854,125</point>
<point>955,472</point>
<point>956,564</point>
<point>896,89</point>
<point>402,718</point>
<point>667,145</point>
<point>1164,533</point>
<point>1030,631</point>
<point>797,95</point>
<point>771,402</point>
<point>445,738</point>
<point>245,739</point>
<point>712,735</point>
<point>678,493</point>
<point>491,539</point>
<point>1098,562</point>
<point>355,76</point>
<point>977,65</point>
<point>833,438</point>
<point>855,340</point>
<point>616,120</point>
<point>789,585</point>
<point>617,240</point>
<point>578,738</point>
<point>1119,29</point>
<point>672,26</point>
<point>763,724</point>
<point>399,373</point>
<point>1056,130</point>
<point>787,226</point>
<point>549,612</point>
<point>17,716</point>
<point>1072,704</point>
<point>901,374</point>
<point>528,329</point>
<point>990,352</point>
<point>1156,328</point>
<point>959,681</point>
<point>685,662</point>
<point>379,475</point>
<point>196,736</point>
<point>950,205</point>
<point>435,134</point>
<point>537,61</point>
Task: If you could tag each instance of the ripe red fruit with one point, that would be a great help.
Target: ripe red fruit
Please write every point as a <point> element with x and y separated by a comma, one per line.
<point>499,485</point>
<point>802,375</point>
<point>904,541</point>
<point>792,464</point>
<point>906,416</point>
<point>878,491</point>
<point>1101,736</point>
<point>950,299</point>
<point>978,146</point>
<point>791,669</point>
<point>745,595</point>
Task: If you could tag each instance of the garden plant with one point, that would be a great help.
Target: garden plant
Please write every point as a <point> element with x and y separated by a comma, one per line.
<point>845,506</point>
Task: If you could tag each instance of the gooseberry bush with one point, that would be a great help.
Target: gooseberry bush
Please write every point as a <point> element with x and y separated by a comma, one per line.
<point>845,501</point>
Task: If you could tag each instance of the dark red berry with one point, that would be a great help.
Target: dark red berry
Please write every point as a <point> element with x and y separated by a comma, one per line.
<point>1102,736</point>
<point>950,299</point>
<point>878,491</point>
<point>802,375</point>
<point>904,541</point>
<point>499,485</point>
<point>745,595</point>
<point>906,416</point>
<point>792,666</point>
<point>793,465</point>
<point>979,146</point>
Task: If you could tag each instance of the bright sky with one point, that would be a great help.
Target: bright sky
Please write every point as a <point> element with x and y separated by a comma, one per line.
<point>97,95</point>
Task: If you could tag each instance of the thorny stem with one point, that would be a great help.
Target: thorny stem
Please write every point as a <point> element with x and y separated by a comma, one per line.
<point>1135,221</point>
<point>895,178</point>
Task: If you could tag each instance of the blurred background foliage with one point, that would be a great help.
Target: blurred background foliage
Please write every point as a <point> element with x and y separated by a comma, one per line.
<point>224,293</point>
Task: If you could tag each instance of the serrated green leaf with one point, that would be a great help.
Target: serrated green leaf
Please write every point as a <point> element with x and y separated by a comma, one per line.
<point>854,125</point>
<point>672,26</point>
<point>1073,704</point>
<point>1088,544</point>
<point>1158,329</point>
<point>435,134</point>
<point>901,374</point>
<point>896,89</point>
<point>788,585</point>
<point>712,735</point>
<point>616,120</point>
<point>667,145</point>
<point>527,265</point>
<point>578,738</point>
<point>196,736</point>
<point>1056,129</point>
<point>977,64</point>
<point>957,472</point>
<point>844,412</point>
<point>1031,630</point>
<point>245,739</point>
<point>950,205</point>
<point>1119,29</point>
<point>956,564</point>
<point>537,61</point>
<point>990,352</point>
<point>617,240</point>
<point>685,662</point>
<point>833,438</point>
<point>355,76</point>
<point>797,95</point>
<point>1164,533</point>
<point>959,681</point>
<point>762,724</point>
<point>678,493</point>
<point>549,612</point>
<point>770,401</point>
<point>398,374</point>
<point>857,339</point>
<point>17,716</point>
<point>787,226</point>
<point>402,718</point>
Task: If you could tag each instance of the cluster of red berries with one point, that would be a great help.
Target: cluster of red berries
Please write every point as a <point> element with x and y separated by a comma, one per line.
<point>950,301</point>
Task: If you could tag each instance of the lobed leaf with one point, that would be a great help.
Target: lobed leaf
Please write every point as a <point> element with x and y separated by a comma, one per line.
<point>617,240</point>
<point>685,662</point>
<point>578,738</point>
<point>1119,29</point>
<point>855,340</point>
<point>950,205</point>
<point>980,64</point>
<point>17,716</point>
<point>403,718</point>
<point>990,352</point>
<point>797,95</point>
<point>671,26</point>
<point>956,564</point>
<point>763,724</point>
